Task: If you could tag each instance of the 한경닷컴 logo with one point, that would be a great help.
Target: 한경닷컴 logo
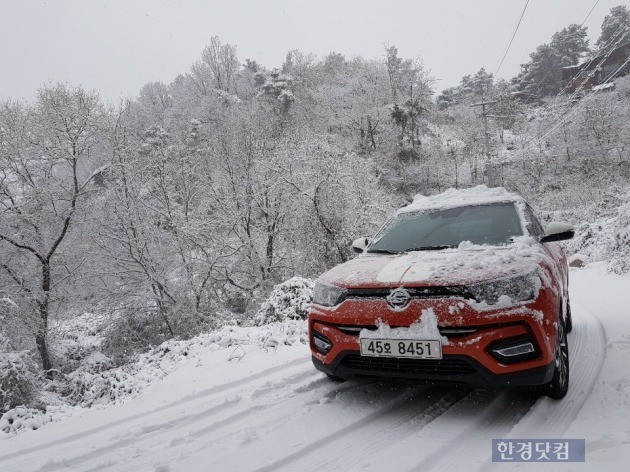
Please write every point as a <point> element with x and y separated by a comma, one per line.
<point>538,450</point>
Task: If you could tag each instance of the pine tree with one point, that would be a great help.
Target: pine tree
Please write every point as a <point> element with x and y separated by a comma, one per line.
<point>616,25</point>
<point>472,88</point>
<point>542,75</point>
<point>570,44</point>
<point>478,85</point>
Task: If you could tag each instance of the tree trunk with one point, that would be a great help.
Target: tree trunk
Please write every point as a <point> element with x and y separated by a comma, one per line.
<point>371,131</point>
<point>42,331</point>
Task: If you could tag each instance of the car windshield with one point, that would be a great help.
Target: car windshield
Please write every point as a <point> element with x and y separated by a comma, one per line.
<point>493,224</point>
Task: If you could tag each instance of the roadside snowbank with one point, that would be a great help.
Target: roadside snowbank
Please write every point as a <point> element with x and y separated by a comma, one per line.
<point>118,385</point>
<point>605,239</point>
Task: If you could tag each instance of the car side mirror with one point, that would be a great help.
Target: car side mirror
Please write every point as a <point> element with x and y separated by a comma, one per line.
<point>557,232</point>
<point>360,245</point>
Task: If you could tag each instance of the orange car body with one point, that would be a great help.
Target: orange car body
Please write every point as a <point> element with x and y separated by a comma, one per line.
<point>441,284</point>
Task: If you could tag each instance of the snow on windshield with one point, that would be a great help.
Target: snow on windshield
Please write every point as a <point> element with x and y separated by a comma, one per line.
<point>493,224</point>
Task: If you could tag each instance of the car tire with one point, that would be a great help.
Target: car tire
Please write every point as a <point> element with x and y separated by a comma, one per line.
<point>558,387</point>
<point>568,321</point>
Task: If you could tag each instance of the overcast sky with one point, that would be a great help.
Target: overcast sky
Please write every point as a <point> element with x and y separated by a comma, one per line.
<point>116,46</point>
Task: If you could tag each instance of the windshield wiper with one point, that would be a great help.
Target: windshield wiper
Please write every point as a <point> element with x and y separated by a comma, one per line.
<point>430,248</point>
<point>383,251</point>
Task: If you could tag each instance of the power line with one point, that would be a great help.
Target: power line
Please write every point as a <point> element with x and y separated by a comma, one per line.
<point>511,39</point>
<point>589,13</point>
<point>613,42</point>
<point>606,81</point>
<point>592,59</point>
<point>563,119</point>
<point>555,123</point>
<point>610,46</point>
<point>602,58</point>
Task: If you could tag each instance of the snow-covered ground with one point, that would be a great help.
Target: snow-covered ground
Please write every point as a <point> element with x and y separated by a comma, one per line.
<point>272,411</point>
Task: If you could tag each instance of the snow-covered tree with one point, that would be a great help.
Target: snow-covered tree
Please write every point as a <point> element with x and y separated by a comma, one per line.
<point>542,75</point>
<point>411,92</point>
<point>47,154</point>
<point>615,27</point>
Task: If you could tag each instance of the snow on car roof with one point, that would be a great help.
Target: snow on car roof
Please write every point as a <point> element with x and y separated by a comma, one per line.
<point>453,198</point>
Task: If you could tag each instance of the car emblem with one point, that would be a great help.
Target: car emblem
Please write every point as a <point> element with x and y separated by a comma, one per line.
<point>398,299</point>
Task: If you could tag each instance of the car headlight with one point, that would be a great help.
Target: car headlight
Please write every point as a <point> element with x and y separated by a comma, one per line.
<point>518,289</point>
<point>328,295</point>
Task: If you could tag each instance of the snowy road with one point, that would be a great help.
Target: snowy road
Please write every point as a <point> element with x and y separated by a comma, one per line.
<point>274,412</point>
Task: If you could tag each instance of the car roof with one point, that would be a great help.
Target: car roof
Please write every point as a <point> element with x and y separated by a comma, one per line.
<point>453,198</point>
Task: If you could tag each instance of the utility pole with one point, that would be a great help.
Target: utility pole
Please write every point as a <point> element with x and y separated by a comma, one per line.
<point>486,133</point>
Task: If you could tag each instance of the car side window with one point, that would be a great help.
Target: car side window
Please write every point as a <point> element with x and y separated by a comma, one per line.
<point>534,228</point>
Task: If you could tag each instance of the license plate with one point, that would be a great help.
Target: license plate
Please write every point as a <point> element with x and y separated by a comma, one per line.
<point>412,348</point>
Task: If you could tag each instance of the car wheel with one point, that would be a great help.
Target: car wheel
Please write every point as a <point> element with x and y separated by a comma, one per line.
<point>559,384</point>
<point>568,321</point>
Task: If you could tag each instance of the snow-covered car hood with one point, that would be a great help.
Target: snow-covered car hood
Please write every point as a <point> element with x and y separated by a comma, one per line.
<point>467,264</point>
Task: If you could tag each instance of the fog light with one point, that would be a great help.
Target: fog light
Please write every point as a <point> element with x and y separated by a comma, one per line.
<point>321,342</point>
<point>517,350</point>
<point>509,351</point>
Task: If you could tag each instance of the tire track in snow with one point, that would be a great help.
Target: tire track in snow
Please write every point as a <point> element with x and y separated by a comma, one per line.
<point>379,434</point>
<point>160,412</point>
<point>282,409</point>
<point>471,443</point>
<point>354,433</point>
<point>587,352</point>
<point>142,435</point>
<point>221,436</point>
<point>587,344</point>
<point>272,415</point>
<point>165,433</point>
<point>524,417</point>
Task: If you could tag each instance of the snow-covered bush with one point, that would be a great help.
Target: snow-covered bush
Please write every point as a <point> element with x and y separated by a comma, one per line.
<point>605,235</point>
<point>21,417</point>
<point>19,379</point>
<point>620,257</point>
<point>16,322</point>
<point>77,341</point>
<point>289,300</point>
<point>92,384</point>
<point>85,388</point>
<point>285,333</point>
<point>89,385</point>
<point>130,333</point>
<point>594,240</point>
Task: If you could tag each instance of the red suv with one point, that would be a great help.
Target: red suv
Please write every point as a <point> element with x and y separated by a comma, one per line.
<point>464,286</point>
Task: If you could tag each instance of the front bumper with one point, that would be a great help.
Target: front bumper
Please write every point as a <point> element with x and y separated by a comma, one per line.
<point>458,369</point>
<point>467,358</point>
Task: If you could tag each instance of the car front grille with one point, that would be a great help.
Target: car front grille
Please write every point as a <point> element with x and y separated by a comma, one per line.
<point>388,365</point>
<point>414,292</point>
<point>449,332</point>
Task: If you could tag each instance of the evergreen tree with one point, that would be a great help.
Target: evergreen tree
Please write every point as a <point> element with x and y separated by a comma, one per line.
<point>542,75</point>
<point>447,97</point>
<point>570,44</point>
<point>616,25</point>
<point>472,88</point>
<point>477,86</point>
<point>411,91</point>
